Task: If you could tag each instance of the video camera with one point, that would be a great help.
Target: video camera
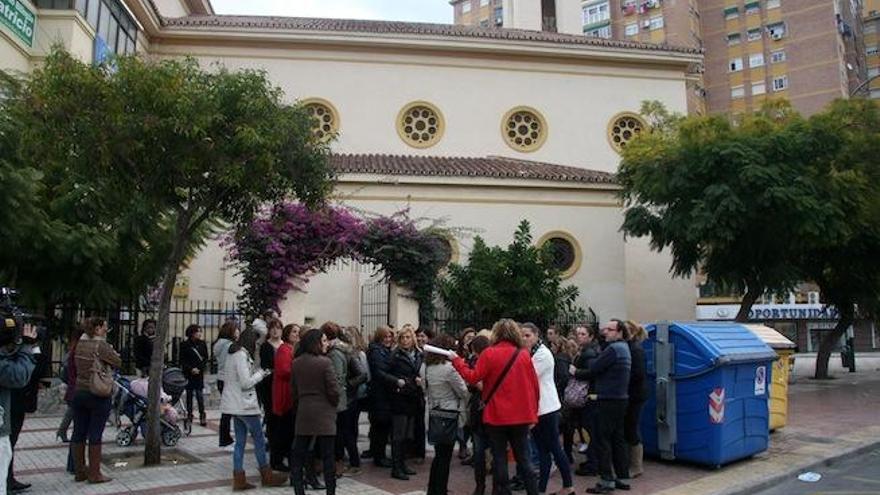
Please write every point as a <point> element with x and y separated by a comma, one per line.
<point>13,319</point>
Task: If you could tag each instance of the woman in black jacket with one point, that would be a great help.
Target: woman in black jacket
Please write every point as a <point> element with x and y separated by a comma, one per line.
<point>587,339</point>
<point>193,361</point>
<point>406,365</point>
<point>638,394</point>
<point>380,390</point>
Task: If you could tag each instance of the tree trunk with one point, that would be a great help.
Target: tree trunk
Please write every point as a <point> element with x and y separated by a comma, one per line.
<point>847,316</point>
<point>152,451</point>
<point>753,292</point>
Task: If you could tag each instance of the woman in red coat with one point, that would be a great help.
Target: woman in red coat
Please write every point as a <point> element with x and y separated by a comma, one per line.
<point>282,398</point>
<point>511,400</point>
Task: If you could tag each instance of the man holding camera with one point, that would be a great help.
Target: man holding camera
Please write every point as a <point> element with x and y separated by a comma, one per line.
<point>17,362</point>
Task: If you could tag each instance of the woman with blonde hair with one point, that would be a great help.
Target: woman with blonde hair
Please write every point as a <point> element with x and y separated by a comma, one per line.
<point>638,394</point>
<point>510,394</point>
<point>406,365</point>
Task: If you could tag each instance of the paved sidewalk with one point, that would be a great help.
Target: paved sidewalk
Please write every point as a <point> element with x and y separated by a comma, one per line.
<point>826,420</point>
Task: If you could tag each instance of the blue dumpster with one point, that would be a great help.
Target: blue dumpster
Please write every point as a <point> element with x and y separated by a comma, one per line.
<point>710,400</point>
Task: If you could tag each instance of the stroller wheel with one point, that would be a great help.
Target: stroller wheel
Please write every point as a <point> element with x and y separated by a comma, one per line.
<point>124,438</point>
<point>170,437</point>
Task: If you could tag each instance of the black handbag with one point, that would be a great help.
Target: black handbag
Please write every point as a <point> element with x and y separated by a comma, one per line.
<point>442,426</point>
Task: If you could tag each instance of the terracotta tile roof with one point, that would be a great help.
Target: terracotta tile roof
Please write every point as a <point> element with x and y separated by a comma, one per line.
<point>492,167</point>
<point>407,28</point>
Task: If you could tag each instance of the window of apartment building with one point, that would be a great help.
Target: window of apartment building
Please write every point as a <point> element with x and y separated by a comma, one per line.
<point>780,83</point>
<point>873,72</point>
<point>772,4</point>
<point>484,23</point>
<point>109,19</point>
<point>759,88</point>
<point>631,29</point>
<point>776,31</point>
<point>499,16</point>
<point>736,64</point>
<point>731,12</point>
<point>872,50</point>
<point>752,8</point>
<point>753,34</point>
<point>596,12</point>
<point>466,7</point>
<point>737,92</point>
<point>733,39</point>
<point>777,56</point>
<point>484,3</point>
<point>875,93</point>
<point>601,32</point>
<point>655,23</point>
<point>756,60</point>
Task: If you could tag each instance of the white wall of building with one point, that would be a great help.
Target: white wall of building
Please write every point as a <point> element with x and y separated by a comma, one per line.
<point>369,89</point>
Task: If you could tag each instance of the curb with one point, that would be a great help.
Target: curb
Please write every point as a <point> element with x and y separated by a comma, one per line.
<point>794,471</point>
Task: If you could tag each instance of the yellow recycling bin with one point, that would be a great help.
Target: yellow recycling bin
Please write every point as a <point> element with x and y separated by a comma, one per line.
<point>781,370</point>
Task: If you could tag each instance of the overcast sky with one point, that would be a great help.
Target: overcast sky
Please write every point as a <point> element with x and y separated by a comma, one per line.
<point>391,10</point>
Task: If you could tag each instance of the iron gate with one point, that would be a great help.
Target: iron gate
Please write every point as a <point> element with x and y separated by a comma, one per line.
<point>375,306</point>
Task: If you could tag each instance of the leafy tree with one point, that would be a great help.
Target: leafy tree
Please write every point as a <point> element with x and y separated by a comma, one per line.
<point>171,152</point>
<point>730,198</point>
<point>63,242</point>
<point>519,282</point>
<point>845,260</point>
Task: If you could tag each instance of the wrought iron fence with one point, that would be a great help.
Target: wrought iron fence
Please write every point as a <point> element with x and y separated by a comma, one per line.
<point>124,323</point>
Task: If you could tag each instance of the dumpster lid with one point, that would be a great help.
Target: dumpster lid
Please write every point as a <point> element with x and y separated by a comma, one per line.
<point>702,346</point>
<point>771,336</point>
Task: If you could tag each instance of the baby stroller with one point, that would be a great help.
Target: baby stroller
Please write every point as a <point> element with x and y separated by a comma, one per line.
<point>134,407</point>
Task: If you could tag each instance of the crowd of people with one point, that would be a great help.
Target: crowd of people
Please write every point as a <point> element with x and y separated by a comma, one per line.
<point>299,394</point>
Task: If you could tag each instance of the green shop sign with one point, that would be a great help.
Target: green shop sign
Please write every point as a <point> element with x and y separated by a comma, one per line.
<point>19,19</point>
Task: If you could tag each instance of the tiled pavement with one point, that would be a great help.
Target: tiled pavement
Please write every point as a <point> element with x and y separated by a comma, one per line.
<point>825,419</point>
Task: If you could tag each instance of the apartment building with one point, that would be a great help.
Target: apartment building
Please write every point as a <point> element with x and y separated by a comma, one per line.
<point>807,51</point>
<point>871,31</point>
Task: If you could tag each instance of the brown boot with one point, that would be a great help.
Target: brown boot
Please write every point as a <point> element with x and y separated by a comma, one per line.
<point>95,475</point>
<point>271,478</point>
<point>240,482</point>
<point>78,451</point>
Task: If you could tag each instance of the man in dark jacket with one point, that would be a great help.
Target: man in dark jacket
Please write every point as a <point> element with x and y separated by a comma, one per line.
<point>143,347</point>
<point>17,363</point>
<point>610,373</point>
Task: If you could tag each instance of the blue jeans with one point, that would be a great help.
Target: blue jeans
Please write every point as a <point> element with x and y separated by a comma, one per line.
<point>243,425</point>
<point>90,414</point>
<point>546,435</point>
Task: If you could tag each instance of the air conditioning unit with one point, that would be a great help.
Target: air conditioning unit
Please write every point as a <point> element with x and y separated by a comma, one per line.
<point>812,297</point>
<point>777,36</point>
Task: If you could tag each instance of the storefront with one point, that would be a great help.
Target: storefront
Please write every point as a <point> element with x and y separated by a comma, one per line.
<point>804,324</point>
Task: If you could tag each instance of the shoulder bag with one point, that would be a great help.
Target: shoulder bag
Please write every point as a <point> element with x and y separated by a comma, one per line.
<point>442,424</point>
<point>101,383</point>
<point>575,394</point>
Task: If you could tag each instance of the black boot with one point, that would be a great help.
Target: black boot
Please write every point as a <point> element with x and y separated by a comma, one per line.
<point>397,466</point>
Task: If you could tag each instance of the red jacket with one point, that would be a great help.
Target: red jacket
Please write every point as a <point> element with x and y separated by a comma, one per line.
<point>516,400</point>
<point>282,395</point>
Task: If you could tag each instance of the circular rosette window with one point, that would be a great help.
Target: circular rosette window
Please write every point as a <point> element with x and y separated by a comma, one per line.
<point>524,129</point>
<point>623,129</point>
<point>420,124</point>
<point>325,119</point>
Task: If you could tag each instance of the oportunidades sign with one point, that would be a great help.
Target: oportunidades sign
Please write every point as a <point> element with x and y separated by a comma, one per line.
<point>19,19</point>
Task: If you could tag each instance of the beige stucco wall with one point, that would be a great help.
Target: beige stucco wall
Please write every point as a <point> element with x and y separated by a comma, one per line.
<point>651,292</point>
<point>171,8</point>
<point>13,55</point>
<point>369,89</point>
<point>67,28</point>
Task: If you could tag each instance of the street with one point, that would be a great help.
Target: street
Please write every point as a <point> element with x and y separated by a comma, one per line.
<point>858,475</point>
